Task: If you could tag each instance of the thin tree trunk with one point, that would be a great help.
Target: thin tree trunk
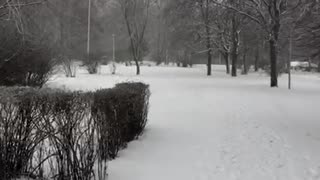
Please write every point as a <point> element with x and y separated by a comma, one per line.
<point>319,66</point>
<point>138,67</point>
<point>245,69</point>
<point>209,61</point>
<point>256,60</point>
<point>209,47</point>
<point>273,64</point>
<point>289,61</point>
<point>309,65</point>
<point>234,49</point>
<point>226,59</point>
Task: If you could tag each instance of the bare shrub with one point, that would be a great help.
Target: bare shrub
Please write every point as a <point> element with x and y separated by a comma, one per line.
<point>68,135</point>
<point>19,136</point>
<point>92,62</point>
<point>71,135</point>
<point>69,66</point>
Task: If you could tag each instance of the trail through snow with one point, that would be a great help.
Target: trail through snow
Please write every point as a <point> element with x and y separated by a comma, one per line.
<point>205,128</point>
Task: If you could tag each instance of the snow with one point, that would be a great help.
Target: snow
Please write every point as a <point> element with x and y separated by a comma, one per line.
<point>219,127</point>
<point>303,64</point>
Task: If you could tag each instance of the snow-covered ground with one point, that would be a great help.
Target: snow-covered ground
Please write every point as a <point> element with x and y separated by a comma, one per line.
<point>217,128</point>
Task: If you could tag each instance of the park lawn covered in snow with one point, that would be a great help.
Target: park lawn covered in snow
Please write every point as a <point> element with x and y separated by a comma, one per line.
<point>219,127</point>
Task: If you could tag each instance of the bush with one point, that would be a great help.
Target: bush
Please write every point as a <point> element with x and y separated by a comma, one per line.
<point>69,66</point>
<point>31,65</point>
<point>69,131</point>
<point>137,95</point>
<point>92,62</point>
<point>121,115</point>
<point>19,136</point>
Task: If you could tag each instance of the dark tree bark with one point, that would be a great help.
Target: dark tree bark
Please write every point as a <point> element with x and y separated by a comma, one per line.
<point>235,44</point>
<point>138,68</point>
<point>274,48</point>
<point>226,59</point>
<point>244,61</point>
<point>256,60</point>
<point>209,60</point>
<point>204,8</point>
<point>209,47</point>
<point>274,44</point>
<point>273,64</point>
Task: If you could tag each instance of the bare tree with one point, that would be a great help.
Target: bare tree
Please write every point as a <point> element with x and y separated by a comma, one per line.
<point>221,36</point>
<point>160,28</point>
<point>205,10</point>
<point>228,26</point>
<point>136,14</point>
<point>11,8</point>
<point>306,31</point>
<point>269,15</point>
<point>11,16</point>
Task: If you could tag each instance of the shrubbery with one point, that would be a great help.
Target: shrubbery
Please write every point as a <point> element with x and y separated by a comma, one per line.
<point>92,62</point>
<point>68,135</point>
<point>122,112</point>
<point>31,65</point>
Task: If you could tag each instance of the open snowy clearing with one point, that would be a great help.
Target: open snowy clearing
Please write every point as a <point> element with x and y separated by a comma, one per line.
<point>205,128</point>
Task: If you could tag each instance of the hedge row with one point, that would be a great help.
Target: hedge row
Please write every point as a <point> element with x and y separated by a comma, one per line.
<point>68,131</point>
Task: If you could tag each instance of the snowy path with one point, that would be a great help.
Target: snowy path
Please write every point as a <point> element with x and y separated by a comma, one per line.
<point>204,128</point>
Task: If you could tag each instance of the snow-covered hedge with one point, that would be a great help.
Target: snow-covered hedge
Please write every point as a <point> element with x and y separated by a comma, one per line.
<point>121,114</point>
<point>67,134</point>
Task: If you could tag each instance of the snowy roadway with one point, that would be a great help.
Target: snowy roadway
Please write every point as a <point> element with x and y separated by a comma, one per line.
<point>218,128</point>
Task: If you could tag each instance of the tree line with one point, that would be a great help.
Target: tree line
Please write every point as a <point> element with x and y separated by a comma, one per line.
<point>265,34</point>
<point>248,32</point>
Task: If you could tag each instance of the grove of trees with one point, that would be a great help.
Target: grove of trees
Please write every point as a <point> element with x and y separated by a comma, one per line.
<point>263,34</point>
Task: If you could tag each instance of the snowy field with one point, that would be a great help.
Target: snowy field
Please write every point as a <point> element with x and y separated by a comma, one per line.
<point>217,128</point>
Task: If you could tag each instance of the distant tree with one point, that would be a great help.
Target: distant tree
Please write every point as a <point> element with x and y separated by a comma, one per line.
<point>236,23</point>
<point>13,30</point>
<point>182,32</point>
<point>227,29</point>
<point>252,39</point>
<point>191,27</point>
<point>136,15</point>
<point>205,8</point>
<point>306,32</point>
<point>160,32</point>
<point>269,15</point>
<point>26,49</point>
<point>221,34</point>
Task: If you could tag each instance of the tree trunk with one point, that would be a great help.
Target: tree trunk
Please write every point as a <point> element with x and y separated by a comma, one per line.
<point>319,66</point>
<point>309,65</point>
<point>138,67</point>
<point>209,61</point>
<point>226,59</point>
<point>289,61</point>
<point>234,64</point>
<point>273,64</point>
<point>256,60</point>
<point>245,68</point>
<point>274,44</point>
<point>206,20</point>
<point>209,52</point>
<point>234,49</point>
